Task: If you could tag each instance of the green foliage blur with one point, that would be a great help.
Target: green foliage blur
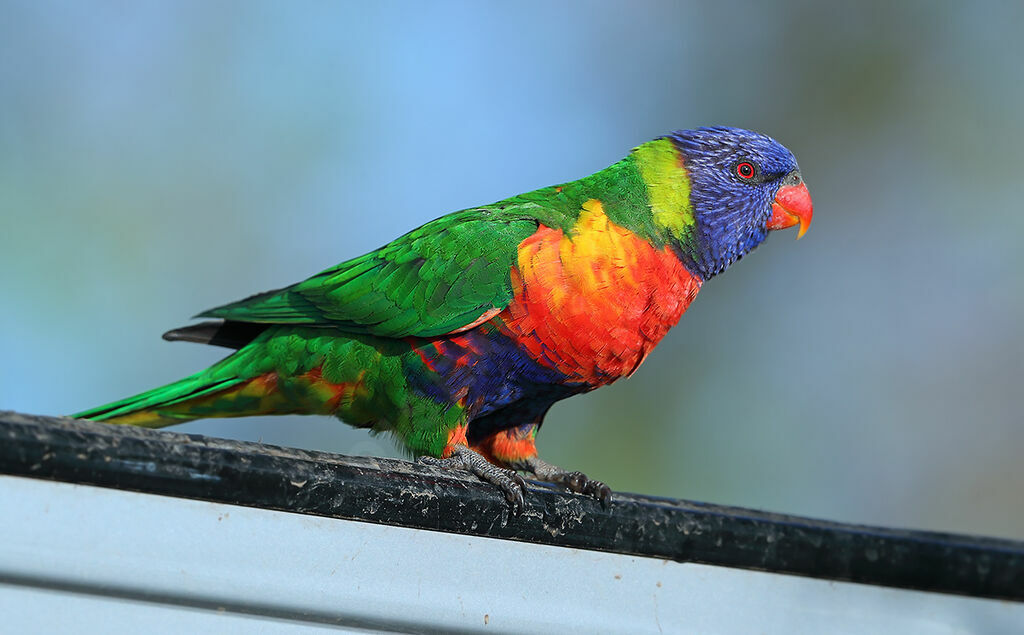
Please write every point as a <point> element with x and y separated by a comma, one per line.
<point>160,158</point>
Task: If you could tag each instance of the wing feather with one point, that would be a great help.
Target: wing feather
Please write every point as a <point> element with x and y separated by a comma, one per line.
<point>434,280</point>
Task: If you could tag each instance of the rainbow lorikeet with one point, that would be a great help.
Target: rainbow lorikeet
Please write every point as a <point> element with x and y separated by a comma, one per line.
<point>458,336</point>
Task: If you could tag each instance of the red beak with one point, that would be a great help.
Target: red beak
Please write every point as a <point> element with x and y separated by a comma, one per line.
<point>792,205</point>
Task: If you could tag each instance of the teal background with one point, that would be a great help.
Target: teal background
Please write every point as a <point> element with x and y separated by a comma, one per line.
<point>157,159</point>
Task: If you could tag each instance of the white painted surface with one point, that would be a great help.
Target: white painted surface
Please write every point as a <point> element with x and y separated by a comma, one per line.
<point>85,559</point>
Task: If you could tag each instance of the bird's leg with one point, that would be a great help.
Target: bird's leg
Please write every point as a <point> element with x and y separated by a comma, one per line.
<point>507,480</point>
<point>516,448</point>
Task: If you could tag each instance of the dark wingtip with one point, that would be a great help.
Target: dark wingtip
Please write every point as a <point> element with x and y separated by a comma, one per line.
<point>217,333</point>
<point>201,333</point>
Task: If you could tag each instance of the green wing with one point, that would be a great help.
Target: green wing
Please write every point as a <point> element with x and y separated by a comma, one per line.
<point>431,281</point>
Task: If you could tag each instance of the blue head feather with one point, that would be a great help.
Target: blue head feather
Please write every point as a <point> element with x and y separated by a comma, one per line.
<point>730,212</point>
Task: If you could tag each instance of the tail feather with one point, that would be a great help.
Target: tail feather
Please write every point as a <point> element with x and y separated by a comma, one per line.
<point>276,373</point>
<point>156,408</point>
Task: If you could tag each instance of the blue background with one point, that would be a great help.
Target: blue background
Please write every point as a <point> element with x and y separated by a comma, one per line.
<point>157,159</point>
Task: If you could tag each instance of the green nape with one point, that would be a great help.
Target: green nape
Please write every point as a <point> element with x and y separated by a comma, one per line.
<point>647,193</point>
<point>668,186</point>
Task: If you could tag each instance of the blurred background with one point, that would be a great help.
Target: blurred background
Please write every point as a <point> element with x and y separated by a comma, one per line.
<point>158,159</point>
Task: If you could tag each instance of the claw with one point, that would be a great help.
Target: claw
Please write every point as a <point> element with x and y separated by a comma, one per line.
<point>514,496</point>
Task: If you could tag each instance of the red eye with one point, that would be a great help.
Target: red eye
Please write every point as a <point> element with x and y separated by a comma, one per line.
<point>745,170</point>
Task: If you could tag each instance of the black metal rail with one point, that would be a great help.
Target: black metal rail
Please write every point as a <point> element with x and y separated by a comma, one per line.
<point>401,493</point>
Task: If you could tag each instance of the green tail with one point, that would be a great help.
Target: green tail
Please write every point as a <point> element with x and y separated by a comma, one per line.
<point>168,405</point>
<point>279,372</point>
<point>359,379</point>
<point>244,383</point>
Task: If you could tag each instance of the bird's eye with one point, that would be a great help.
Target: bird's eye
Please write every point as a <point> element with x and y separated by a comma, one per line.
<point>745,170</point>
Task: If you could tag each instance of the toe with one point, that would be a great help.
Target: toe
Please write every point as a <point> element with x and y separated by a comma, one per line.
<point>516,499</point>
<point>579,483</point>
<point>514,488</point>
<point>601,492</point>
<point>575,481</point>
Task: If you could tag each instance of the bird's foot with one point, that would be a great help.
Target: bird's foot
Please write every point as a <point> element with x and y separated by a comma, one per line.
<point>573,481</point>
<point>508,481</point>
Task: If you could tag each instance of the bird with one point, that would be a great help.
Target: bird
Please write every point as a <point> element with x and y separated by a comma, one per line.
<point>458,336</point>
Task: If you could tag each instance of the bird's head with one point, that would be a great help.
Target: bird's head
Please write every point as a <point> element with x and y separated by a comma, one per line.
<point>742,185</point>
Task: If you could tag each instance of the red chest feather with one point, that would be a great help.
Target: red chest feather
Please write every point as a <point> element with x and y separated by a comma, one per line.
<point>593,304</point>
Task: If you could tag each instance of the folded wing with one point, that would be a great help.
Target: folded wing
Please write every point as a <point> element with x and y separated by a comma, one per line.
<point>434,280</point>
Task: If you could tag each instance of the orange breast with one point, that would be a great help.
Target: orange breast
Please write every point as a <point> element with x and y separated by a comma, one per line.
<point>594,303</point>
